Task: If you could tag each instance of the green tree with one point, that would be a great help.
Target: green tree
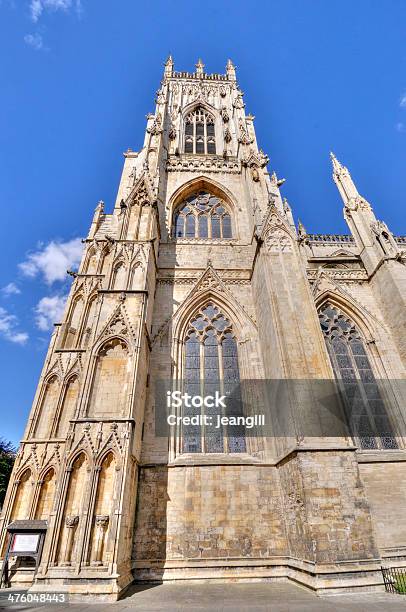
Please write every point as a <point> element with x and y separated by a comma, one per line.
<point>7,457</point>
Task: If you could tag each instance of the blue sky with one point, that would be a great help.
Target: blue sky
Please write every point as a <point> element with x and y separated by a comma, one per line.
<point>78,78</point>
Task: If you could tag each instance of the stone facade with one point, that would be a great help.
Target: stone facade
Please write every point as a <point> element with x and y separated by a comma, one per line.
<point>123,503</point>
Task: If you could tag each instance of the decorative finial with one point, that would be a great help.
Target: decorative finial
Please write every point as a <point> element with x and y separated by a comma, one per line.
<point>301,228</point>
<point>230,70</point>
<point>169,66</point>
<point>336,164</point>
<point>276,181</point>
<point>199,67</point>
<point>286,205</point>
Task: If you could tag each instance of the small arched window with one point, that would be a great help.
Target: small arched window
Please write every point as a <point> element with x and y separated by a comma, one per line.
<point>366,412</point>
<point>211,365</point>
<point>199,132</point>
<point>202,215</point>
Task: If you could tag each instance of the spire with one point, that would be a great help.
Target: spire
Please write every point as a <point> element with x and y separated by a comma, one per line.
<point>345,184</point>
<point>230,70</point>
<point>99,210</point>
<point>301,228</point>
<point>100,207</point>
<point>199,67</point>
<point>337,166</point>
<point>169,66</point>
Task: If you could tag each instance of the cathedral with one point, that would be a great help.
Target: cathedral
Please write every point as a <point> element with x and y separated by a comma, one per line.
<point>200,276</point>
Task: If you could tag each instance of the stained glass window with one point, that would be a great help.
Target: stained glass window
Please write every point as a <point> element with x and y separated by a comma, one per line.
<point>202,215</point>
<point>192,443</point>
<point>199,132</point>
<point>366,412</point>
<point>211,364</point>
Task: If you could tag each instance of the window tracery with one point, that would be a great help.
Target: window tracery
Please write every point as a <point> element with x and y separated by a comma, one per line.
<point>200,133</point>
<point>211,364</point>
<point>202,215</point>
<point>366,411</point>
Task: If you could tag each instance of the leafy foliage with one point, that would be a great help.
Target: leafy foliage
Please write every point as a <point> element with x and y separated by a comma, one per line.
<point>400,584</point>
<point>7,457</point>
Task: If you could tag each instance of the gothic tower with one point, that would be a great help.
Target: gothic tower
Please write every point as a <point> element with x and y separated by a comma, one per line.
<point>200,277</point>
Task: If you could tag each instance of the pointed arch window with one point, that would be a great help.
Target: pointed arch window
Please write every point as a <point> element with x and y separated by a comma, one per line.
<point>200,135</point>
<point>366,412</point>
<point>202,215</point>
<point>211,365</point>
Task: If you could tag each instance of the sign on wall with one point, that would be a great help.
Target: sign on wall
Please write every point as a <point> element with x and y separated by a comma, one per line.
<point>25,542</point>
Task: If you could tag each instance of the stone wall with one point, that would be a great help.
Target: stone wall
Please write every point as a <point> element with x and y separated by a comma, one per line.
<point>209,512</point>
<point>385,486</point>
<point>327,512</point>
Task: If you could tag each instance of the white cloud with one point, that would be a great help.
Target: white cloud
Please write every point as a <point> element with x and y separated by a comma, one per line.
<point>49,310</point>
<point>18,337</point>
<point>8,324</point>
<point>53,260</point>
<point>37,7</point>
<point>402,101</point>
<point>35,41</point>
<point>400,127</point>
<point>10,289</point>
